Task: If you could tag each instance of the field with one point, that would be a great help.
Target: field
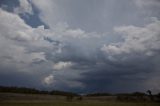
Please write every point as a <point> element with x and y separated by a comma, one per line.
<point>76,104</point>
<point>48,100</point>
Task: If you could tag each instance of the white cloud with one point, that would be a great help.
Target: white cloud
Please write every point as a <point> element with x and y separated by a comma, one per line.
<point>20,44</point>
<point>13,27</point>
<point>62,65</point>
<point>19,54</point>
<point>24,7</point>
<point>143,40</point>
<point>48,80</point>
<point>14,32</point>
<point>24,48</point>
<point>138,45</point>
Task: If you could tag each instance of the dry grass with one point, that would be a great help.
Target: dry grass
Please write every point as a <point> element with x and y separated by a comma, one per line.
<point>48,100</point>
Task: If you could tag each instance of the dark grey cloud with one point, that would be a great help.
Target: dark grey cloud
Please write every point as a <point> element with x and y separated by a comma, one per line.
<point>120,76</point>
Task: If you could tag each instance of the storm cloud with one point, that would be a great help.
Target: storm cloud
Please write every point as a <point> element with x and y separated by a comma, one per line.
<point>82,46</point>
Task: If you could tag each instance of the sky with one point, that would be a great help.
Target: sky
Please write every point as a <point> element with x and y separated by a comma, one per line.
<point>82,46</point>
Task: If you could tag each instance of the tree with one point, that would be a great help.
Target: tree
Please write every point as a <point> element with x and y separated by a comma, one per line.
<point>150,95</point>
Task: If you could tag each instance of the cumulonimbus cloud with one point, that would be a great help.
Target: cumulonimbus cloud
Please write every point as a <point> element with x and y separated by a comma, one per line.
<point>74,59</point>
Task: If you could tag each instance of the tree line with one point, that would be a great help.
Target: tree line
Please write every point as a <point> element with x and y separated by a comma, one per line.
<point>25,90</point>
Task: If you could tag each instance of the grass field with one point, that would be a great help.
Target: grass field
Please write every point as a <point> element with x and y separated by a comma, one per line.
<point>14,99</point>
<point>76,104</point>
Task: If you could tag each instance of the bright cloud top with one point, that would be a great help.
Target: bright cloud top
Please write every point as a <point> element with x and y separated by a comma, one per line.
<point>62,65</point>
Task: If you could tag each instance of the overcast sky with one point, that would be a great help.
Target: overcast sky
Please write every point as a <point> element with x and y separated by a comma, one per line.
<point>80,45</point>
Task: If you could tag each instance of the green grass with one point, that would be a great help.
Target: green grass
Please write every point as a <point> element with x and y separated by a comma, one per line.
<point>76,104</point>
